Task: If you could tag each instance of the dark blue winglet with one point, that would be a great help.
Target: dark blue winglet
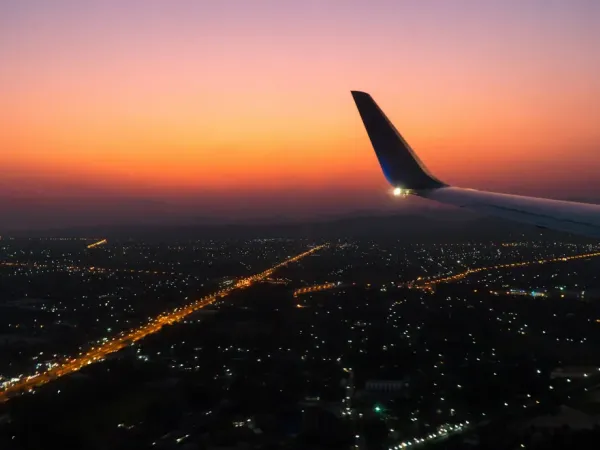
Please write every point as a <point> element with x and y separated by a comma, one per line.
<point>400,165</point>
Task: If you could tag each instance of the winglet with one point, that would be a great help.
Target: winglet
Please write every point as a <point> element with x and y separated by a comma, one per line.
<point>400,165</point>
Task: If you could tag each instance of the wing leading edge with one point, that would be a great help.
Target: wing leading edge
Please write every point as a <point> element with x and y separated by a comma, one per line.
<point>403,169</point>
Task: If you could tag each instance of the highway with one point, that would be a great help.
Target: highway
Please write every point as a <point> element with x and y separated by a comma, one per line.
<point>88,269</point>
<point>429,281</point>
<point>96,244</point>
<point>124,339</point>
<point>315,288</point>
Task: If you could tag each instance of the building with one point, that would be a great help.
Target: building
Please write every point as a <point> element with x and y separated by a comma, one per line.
<point>385,385</point>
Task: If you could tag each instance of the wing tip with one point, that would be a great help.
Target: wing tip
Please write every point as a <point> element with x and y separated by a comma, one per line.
<point>400,165</point>
<point>358,94</point>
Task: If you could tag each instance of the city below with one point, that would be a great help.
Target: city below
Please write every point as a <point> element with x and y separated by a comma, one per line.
<point>296,343</point>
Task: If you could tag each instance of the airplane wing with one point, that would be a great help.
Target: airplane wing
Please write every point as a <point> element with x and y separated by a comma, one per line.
<point>405,172</point>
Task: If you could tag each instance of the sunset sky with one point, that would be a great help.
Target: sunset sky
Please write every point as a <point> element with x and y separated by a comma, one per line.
<point>116,111</point>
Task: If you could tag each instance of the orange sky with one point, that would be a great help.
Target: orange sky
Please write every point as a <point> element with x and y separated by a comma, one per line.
<point>151,99</point>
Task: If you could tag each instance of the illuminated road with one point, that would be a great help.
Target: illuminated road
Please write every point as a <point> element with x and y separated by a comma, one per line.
<point>124,339</point>
<point>316,288</point>
<point>430,281</point>
<point>96,244</point>
<point>89,269</point>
